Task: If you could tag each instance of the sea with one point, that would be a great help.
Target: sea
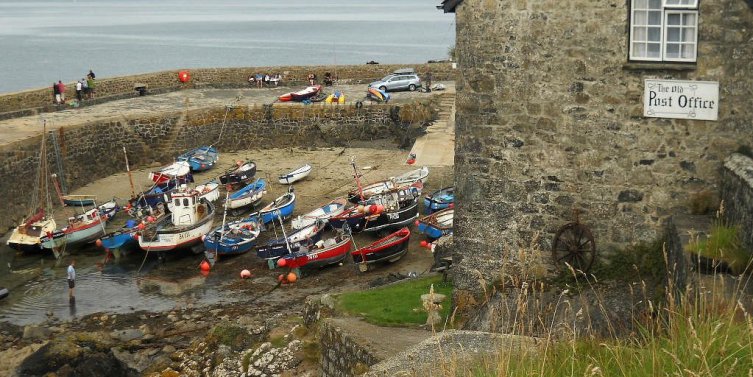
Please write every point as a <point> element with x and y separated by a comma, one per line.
<point>45,41</point>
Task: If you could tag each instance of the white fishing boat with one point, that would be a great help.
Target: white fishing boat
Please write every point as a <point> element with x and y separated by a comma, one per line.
<point>209,191</point>
<point>296,175</point>
<point>190,219</point>
<point>420,174</point>
<point>324,212</point>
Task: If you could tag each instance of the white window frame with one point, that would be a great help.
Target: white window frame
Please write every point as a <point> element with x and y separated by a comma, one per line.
<point>667,9</point>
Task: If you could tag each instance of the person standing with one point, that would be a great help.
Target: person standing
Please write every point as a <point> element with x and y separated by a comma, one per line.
<point>79,90</point>
<point>90,83</point>
<point>428,81</point>
<point>55,93</point>
<point>91,74</point>
<point>71,279</point>
<point>61,88</point>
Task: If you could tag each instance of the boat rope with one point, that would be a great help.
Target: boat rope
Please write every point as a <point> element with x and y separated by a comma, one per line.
<point>59,163</point>
<point>224,120</point>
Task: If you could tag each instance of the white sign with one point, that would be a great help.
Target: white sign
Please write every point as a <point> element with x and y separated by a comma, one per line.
<point>681,99</point>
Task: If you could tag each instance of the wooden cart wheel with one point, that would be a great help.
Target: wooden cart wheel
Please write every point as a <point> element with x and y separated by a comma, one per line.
<point>574,244</point>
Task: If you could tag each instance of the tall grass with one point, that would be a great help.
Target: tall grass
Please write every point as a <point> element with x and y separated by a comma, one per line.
<point>704,330</point>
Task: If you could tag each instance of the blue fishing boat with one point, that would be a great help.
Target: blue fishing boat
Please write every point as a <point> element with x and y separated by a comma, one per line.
<point>200,159</point>
<point>437,224</point>
<point>440,199</point>
<point>281,207</point>
<point>233,238</point>
<point>121,237</point>
<point>248,196</point>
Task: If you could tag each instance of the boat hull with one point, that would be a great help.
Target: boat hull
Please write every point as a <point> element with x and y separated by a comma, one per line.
<point>385,220</point>
<point>320,257</point>
<point>244,173</point>
<point>27,238</point>
<point>177,238</point>
<point>295,175</point>
<point>200,159</point>
<point>283,211</point>
<point>276,248</point>
<point>74,238</point>
<point>239,237</point>
<point>383,251</point>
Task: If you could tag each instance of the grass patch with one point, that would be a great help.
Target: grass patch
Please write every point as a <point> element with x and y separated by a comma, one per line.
<point>395,304</point>
<point>230,335</point>
<point>723,244</point>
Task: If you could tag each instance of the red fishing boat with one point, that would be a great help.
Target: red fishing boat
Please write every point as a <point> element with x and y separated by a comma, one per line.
<point>390,248</point>
<point>323,253</point>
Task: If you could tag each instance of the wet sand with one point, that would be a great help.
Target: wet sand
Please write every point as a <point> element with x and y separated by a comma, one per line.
<point>135,283</point>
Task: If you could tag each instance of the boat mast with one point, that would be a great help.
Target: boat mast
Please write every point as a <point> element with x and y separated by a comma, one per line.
<point>224,216</point>
<point>287,243</point>
<point>355,174</point>
<point>128,169</point>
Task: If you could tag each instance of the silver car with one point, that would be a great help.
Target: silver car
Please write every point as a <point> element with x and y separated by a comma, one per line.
<point>398,80</point>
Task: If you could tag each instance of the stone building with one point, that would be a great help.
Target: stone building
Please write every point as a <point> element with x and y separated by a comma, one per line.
<point>554,114</point>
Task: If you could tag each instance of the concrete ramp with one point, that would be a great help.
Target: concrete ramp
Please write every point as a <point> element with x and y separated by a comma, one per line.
<point>437,147</point>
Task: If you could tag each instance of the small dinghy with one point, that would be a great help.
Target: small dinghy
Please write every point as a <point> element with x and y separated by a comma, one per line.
<point>380,188</point>
<point>209,191</point>
<point>281,208</point>
<point>179,171</point>
<point>78,200</point>
<point>240,173</point>
<point>234,238</point>
<point>440,199</point>
<point>322,253</point>
<point>390,248</point>
<point>295,175</point>
<point>437,224</point>
<point>301,95</point>
<point>278,247</point>
<point>119,238</point>
<point>324,212</point>
<point>200,159</point>
<point>3,292</point>
<point>407,178</point>
<point>250,195</point>
<point>375,94</point>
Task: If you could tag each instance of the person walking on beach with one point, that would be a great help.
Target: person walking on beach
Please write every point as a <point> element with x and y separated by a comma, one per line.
<point>71,280</point>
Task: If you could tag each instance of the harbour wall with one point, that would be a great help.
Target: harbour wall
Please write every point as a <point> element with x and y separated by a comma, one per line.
<point>737,196</point>
<point>93,150</point>
<point>30,102</point>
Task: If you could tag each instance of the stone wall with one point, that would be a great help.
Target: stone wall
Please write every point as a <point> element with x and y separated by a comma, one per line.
<point>737,195</point>
<point>549,119</point>
<point>342,355</point>
<point>94,150</point>
<point>38,100</point>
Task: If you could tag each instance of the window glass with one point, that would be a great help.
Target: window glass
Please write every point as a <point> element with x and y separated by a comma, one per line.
<point>663,30</point>
<point>185,202</point>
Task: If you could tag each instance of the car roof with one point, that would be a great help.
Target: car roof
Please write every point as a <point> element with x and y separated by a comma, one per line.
<point>404,71</point>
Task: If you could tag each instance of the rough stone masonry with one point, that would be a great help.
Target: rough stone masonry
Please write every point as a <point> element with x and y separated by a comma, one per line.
<point>550,119</point>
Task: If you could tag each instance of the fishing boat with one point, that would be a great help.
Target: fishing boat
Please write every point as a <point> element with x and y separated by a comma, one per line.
<point>250,195</point>
<point>421,174</point>
<point>322,253</point>
<point>324,212</point>
<point>301,95</point>
<point>236,237</point>
<point>78,200</point>
<point>209,191</point>
<point>81,229</point>
<point>120,238</point>
<point>295,175</point>
<point>291,243</point>
<point>179,171</point>
<point>390,248</point>
<point>190,219</point>
<point>437,224</point>
<point>440,199</point>
<point>200,159</point>
<point>282,208</point>
<point>394,209</point>
<point>26,236</point>
<point>382,187</point>
<point>240,173</point>
<point>152,198</point>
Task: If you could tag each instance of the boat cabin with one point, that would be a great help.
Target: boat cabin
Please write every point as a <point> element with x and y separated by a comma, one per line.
<point>187,208</point>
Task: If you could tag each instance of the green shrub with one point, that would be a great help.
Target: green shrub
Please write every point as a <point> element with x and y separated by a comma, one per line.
<point>723,244</point>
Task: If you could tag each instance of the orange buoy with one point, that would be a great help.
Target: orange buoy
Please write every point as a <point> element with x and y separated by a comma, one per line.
<point>424,243</point>
<point>292,278</point>
<point>204,266</point>
<point>281,262</point>
<point>184,76</point>
<point>98,242</point>
<point>245,274</point>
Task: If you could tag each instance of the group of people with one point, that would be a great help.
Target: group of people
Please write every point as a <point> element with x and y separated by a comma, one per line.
<point>261,79</point>
<point>85,88</point>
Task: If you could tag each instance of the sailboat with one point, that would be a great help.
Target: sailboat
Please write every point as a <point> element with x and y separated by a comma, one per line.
<point>26,236</point>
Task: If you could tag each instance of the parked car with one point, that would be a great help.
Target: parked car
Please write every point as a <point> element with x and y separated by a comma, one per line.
<point>402,79</point>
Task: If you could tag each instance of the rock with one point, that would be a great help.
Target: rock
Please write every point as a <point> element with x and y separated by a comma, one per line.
<point>36,332</point>
<point>127,335</point>
<point>136,361</point>
<point>328,301</point>
<point>168,349</point>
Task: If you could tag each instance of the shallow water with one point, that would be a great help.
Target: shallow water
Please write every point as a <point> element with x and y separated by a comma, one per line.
<point>46,41</point>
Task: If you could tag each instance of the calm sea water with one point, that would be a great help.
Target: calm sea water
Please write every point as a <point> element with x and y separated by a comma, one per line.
<point>46,41</point>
